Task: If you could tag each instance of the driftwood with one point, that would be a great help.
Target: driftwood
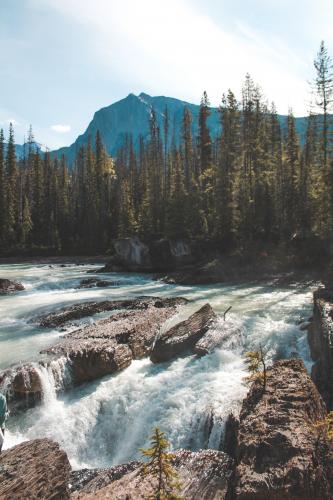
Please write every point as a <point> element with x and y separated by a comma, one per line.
<point>226,311</point>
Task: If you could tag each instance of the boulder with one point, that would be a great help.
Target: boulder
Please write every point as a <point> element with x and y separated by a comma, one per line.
<point>22,385</point>
<point>81,310</point>
<point>95,282</point>
<point>34,469</point>
<point>183,336</point>
<point>168,254</point>
<point>130,254</point>
<point>7,286</point>
<point>320,336</point>
<point>279,453</point>
<point>203,475</point>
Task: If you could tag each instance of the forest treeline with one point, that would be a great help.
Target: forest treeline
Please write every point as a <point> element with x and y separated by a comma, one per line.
<point>255,182</point>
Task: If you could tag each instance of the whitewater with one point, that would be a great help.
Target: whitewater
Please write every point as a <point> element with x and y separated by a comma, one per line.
<point>107,421</point>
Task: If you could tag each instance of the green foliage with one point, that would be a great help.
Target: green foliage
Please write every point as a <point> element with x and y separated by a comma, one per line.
<point>252,184</point>
<point>256,366</point>
<point>159,466</point>
<point>324,428</point>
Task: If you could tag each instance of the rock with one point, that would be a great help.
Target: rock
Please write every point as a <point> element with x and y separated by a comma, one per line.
<point>34,469</point>
<point>95,282</point>
<point>168,254</point>
<point>109,345</point>
<point>183,336</point>
<point>203,475</point>
<point>279,453</point>
<point>77,311</point>
<point>225,334</point>
<point>320,337</point>
<point>22,385</point>
<point>131,254</point>
<point>91,480</point>
<point>7,286</point>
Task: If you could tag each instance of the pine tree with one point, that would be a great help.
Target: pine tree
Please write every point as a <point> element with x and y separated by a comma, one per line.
<point>291,168</point>
<point>11,187</point>
<point>3,201</point>
<point>324,96</point>
<point>160,467</point>
<point>228,172</point>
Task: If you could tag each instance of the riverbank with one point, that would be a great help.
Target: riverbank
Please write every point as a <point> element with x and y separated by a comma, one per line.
<point>55,259</point>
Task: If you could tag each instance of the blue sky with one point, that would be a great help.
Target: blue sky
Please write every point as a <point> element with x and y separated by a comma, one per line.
<point>61,60</point>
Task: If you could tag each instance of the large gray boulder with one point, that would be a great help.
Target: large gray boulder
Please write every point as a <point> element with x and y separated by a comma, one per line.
<point>183,336</point>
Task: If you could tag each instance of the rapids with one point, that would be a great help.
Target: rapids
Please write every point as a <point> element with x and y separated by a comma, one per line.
<point>106,422</point>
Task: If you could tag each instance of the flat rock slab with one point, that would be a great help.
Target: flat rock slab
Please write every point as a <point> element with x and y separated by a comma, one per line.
<point>183,336</point>
<point>34,469</point>
<point>65,315</point>
<point>109,345</point>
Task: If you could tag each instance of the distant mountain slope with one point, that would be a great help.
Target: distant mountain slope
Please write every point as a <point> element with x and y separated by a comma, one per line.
<point>130,116</point>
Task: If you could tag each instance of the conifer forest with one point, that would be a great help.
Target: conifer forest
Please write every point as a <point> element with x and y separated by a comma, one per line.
<point>258,181</point>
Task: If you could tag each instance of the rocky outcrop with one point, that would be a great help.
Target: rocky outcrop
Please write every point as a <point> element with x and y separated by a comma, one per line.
<point>7,286</point>
<point>96,282</point>
<point>183,336</point>
<point>130,254</point>
<point>109,345</point>
<point>278,452</point>
<point>320,336</point>
<point>75,312</point>
<point>203,475</point>
<point>169,254</point>
<point>34,469</point>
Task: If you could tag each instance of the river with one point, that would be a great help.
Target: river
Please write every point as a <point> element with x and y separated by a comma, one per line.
<point>106,422</point>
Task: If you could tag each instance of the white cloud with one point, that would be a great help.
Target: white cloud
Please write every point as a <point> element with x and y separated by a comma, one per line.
<point>172,48</point>
<point>60,128</point>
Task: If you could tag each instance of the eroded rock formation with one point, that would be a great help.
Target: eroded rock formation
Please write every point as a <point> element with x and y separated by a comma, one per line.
<point>34,469</point>
<point>203,475</point>
<point>278,452</point>
<point>81,310</point>
<point>109,345</point>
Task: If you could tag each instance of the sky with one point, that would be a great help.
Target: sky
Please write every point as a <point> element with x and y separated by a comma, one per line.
<point>62,60</point>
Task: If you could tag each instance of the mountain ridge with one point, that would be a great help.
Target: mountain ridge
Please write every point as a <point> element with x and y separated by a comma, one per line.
<point>130,117</point>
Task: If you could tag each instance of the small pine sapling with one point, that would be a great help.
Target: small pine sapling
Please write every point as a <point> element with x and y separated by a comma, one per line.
<point>256,366</point>
<point>159,466</point>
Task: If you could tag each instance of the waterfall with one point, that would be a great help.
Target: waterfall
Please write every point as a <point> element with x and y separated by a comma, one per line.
<point>54,377</point>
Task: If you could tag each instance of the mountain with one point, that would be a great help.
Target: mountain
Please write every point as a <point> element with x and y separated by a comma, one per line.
<point>22,149</point>
<point>130,116</point>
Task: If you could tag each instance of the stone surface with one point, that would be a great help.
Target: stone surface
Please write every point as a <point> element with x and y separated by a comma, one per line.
<point>109,345</point>
<point>34,470</point>
<point>279,454</point>
<point>7,286</point>
<point>183,336</point>
<point>320,336</point>
<point>96,282</point>
<point>78,311</point>
<point>203,476</point>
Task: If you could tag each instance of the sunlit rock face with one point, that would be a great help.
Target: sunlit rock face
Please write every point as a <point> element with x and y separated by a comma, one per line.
<point>34,469</point>
<point>279,453</point>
